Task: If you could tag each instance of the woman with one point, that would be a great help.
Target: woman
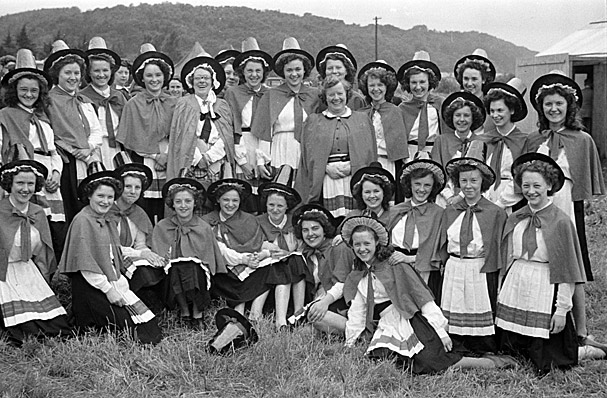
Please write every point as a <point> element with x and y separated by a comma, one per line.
<point>505,105</point>
<point>338,61</point>
<point>334,145</point>
<point>557,100</point>
<point>25,124</point>
<point>226,60</point>
<point>146,122</point>
<point>470,241</point>
<point>201,142</point>
<point>109,102</point>
<point>328,267</point>
<point>176,89</point>
<point>252,67</point>
<point>28,306</point>
<point>187,243</point>
<point>276,224</point>
<point>474,71</point>
<point>92,258</point>
<point>123,78</point>
<point>414,225</point>
<point>423,123</point>
<point>534,304</point>
<point>78,133</point>
<point>463,113</point>
<point>143,268</point>
<point>402,317</point>
<point>282,111</point>
<point>377,81</point>
<point>372,188</point>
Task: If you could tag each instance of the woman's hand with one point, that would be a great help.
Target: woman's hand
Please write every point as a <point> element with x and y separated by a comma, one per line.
<point>447,343</point>
<point>248,172</point>
<point>278,253</point>
<point>203,164</point>
<point>250,260</point>
<point>52,182</point>
<point>82,154</point>
<point>334,172</point>
<point>557,324</point>
<point>319,309</point>
<point>115,298</point>
<point>337,240</point>
<point>454,199</point>
<point>153,258</point>
<point>263,172</point>
<point>262,255</point>
<point>161,160</point>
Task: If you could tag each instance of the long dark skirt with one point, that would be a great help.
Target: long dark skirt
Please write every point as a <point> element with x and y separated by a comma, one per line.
<point>235,291</point>
<point>68,188</point>
<point>56,327</point>
<point>291,270</point>
<point>92,309</point>
<point>580,226</point>
<point>151,286</point>
<point>188,280</point>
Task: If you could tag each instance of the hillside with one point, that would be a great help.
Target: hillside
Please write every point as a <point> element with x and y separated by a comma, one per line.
<point>174,28</point>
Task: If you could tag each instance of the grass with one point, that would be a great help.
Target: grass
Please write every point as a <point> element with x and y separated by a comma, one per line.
<point>282,364</point>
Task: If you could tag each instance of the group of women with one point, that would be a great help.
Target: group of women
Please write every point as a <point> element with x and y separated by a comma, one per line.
<point>435,236</point>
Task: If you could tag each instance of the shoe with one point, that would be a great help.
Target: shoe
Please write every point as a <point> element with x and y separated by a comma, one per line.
<point>502,361</point>
<point>589,340</point>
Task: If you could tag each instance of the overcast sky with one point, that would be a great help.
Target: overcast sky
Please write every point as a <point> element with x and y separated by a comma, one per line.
<point>535,24</point>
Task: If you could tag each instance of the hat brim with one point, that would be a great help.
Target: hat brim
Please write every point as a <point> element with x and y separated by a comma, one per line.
<point>375,65</point>
<point>194,63</point>
<point>226,55</point>
<point>25,72</point>
<point>254,55</point>
<point>531,156</point>
<point>227,315</point>
<point>94,177</point>
<point>296,51</point>
<point>422,65</point>
<point>351,223</point>
<point>54,57</point>
<point>142,58</point>
<point>138,167</point>
<point>434,167</point>
<point>371,170</point>
<point>521,112</point>
<point>468,97</point>
<point>105,51</point>
<point>320,58</point>
<point>492,71</point>
<point>182,181</point>
<point>550,79</point>
<point>26,162</point>
<point>483,167</point>
<point>300,211</point>
<point>243,187</point>
<point>272,187</point>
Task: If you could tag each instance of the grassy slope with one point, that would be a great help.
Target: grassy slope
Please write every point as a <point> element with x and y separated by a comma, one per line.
<point>282,365</point>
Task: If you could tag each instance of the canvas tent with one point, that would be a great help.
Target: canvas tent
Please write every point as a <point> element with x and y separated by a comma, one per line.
<point>196,51</point>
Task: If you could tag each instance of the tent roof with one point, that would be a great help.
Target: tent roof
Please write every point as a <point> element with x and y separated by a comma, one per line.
<point>590,41</point>
<point>196,51</point>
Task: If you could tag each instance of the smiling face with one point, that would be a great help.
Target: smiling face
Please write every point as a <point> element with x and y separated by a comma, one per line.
<point>202,82</point>
<point>472,80</point>
<point>121,76</point>
<point>336,99</point>
<point>183,203</point>
<point>470,183</point>
<point>276,206</point>
<point>500,113</point>
<point>175,88</point>
<point>23,188</point>
<point>364,245</point>
<point>229,203</point>
<point>312,233</point>
<point>132,190</point>
<point>231,76</point>
<point>372,195</point>
<point>535,189</point>
<point>555,110</point>
<point>419,84</point>
<point>421,188</point>
<point>100,73</point>
<point>294,73</point>
<point>153,79</point>
<point>376,89</point>
<point>102,199</point>
<point>462,120</point>
<point>28,91</point>
<point>336,67</point>
<point>253,74</point>
<point>69,77</point>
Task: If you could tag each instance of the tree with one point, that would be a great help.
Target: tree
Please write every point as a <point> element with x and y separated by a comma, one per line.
<point>23,40</point>
<point>8,46</point>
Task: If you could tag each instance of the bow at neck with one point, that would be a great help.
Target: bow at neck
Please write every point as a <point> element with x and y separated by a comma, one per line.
<point>252,93</point>
<point>319,251</point>
<point>408,207</point>
<point>555,144</point>
<point>211,115</point>
<point>113,99</point>
<point>462,205</point>
<point>297,95</point>
<point>178,227</point>
<point>152,99</point>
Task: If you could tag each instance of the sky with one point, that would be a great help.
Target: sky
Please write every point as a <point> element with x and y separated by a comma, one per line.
<point>535,24</point>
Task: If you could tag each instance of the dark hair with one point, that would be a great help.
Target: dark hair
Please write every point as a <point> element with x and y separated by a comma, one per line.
<point>173,192</point>
<point>332,81</point>
<point>496,95</point>
<point>382,253</point>
<point>240,70</point>
<point>485,185</point>
<point>6,182</point>
<point>67,60</point>
<point>386,77</point>
<point>11,97</point>
<point>101,57</point>
<point>416,174</point>
<point>90,188</point>
<point>128,65</point>
<point>321,218</point>
<point>546,170</point>
<point>406,82</point>
<point>572,119</point>
<point>350,71</point>
<point>164,68</point>
<point>386,187</point>
<point>222,190</point>
<point>477,114</point>
<point>133,174</point>
<point>288,57</point>
<point>291,202</point>
<point>472,64</point>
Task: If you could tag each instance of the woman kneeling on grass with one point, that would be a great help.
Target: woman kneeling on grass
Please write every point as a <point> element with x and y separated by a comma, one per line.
<point>402,317</point>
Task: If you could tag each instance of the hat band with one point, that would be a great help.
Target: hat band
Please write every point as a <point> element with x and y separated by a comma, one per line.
<point>568,89</point>
<point>189,186</point>
<point>147,61</point>
<point>337,53</point>
<point>134,172</point>
<point>65,56</point>
<point>276,189</point>
<point>457,99</point>
<point>254,58</point>
<point>225,61</point>
<point>313,211</point>
<point>206,67</point>
<point>434,169</point>
<point>351,224</point>
<point>419,68</point>
<point>482,63</point>
<point>365,177</point>
<point>236,185</point>
<point>25,168</point>
<point>104,178</point>
<point>19,75</point>
<point>501,90</point>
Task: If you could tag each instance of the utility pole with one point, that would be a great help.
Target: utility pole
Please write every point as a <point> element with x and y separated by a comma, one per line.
<point>376,48</point>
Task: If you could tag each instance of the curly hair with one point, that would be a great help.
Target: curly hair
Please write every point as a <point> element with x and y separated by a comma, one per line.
<point>197,195</point>
<point>11,97</point>
<point>382,253</point>
<point>386,77</point>
<point>472,64</point>
<point>327,227</point>
<point>416,175</point>
<point>572,118</point>
<point>67,60</point>
<point>485,185</point>
<point>477,115</point>
<point>90,188</point>
<point>6,182</point>
<point>222,190</point>
<point>284,59</point>
<point>350,71</point>
<point>496,95</point>
<point>291,202</point>
<point>546,170</point>
<point>406,82</point>
<point>386,187</point>
<point>332,81</point>
<point>101,57</point>
<point>241,67</point>
<point>164,68</point>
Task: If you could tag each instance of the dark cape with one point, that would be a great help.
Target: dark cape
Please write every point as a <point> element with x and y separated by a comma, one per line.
<point>237,97</point>
<point>70,131</point>
<point>15,124</point>
<point>392,120</point>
